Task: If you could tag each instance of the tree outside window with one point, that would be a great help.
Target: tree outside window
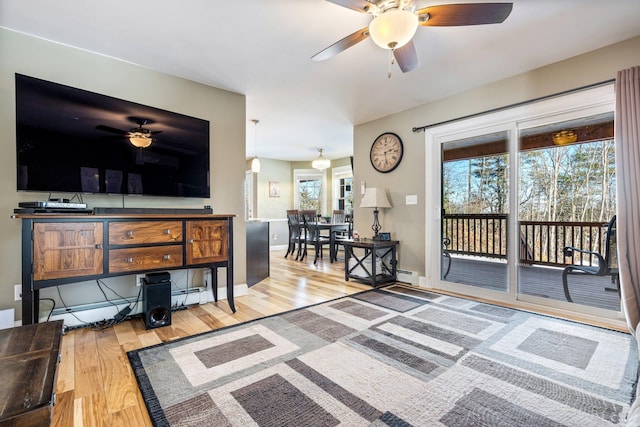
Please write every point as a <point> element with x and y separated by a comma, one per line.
<point>310,193</point>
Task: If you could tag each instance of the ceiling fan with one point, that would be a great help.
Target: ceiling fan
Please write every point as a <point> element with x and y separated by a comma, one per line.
<point>396,21</point>
<point>138,137</point>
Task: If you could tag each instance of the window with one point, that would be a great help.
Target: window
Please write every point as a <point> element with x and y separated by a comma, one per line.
<point>309,190</point>
<point>342,179</point>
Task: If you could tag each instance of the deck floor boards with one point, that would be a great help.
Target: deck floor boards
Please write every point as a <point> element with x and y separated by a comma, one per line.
<point>536,280</point>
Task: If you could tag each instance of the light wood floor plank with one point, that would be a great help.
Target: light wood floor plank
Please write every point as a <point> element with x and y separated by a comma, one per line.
<point>66,368</point>
<point>88,375</point>
<point>91,411</point>
<point>63,410</point>
<point>117,376</point>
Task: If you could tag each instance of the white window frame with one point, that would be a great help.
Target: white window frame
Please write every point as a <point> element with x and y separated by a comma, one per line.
<point>299,174</point>
<point>337,174</point>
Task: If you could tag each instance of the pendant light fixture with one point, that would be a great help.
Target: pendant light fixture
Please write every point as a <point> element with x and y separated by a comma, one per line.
<point>255,163</point>
<point>321,162</point>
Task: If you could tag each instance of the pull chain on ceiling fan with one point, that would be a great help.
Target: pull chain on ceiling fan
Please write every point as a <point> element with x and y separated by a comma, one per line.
<point>395,22</point>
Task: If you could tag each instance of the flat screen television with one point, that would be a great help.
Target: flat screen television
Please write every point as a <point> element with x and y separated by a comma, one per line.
<point>74,141</point>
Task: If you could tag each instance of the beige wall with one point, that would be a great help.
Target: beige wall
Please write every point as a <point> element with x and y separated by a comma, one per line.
<point>274,171</point>
<point>406,223</point>
<point>49,61</point>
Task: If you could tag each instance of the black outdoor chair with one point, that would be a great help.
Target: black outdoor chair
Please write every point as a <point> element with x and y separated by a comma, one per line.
<point>607,264</point>
<point>446,255</point>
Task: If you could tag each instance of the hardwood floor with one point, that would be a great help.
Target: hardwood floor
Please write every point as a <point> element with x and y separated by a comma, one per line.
<point>96,386</point>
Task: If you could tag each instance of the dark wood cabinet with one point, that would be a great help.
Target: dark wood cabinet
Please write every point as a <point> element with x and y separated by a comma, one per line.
<point>207,241</point>
<point>59,249</point>
<point>67,249</point>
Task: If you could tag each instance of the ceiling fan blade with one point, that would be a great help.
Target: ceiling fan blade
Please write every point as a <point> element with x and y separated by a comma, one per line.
<point>407,57</point>
<point>112,130</point>
<point>464,14</point>
<point>341,45</point>
<point>357,5</point>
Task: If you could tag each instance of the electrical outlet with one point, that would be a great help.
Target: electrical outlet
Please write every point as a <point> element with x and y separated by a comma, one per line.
<point>139,278</point>
<point>17,292</point>
<point>275,236</point>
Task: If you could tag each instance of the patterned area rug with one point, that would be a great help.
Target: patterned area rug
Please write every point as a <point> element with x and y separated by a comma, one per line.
<point>396,356</point>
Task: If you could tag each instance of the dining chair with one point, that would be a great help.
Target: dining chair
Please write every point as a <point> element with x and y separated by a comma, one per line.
<point>312,236</point>
<point>293,222</point>
<point>340,216</point>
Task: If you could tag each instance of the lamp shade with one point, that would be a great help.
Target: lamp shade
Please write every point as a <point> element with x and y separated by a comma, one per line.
<point>375,198</point>
<point>394,28</point>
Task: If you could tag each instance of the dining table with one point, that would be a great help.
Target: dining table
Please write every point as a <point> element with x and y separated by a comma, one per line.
<point>333,227</point>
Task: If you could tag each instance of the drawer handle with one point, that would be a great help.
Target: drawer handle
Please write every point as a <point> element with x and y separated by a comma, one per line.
<point>128,260</point>
<point>166,257</point>
<point>167,231</point>
<point>129,233</point>
<point>190,241</point>
<point>99,246</point>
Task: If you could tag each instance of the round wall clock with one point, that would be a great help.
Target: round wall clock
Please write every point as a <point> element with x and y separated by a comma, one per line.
<point>386,152</point>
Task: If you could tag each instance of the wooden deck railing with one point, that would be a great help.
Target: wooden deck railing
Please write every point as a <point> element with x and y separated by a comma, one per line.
<point>541,242</point>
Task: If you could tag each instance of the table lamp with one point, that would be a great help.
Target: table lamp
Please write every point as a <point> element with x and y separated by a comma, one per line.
<point>375,198</point>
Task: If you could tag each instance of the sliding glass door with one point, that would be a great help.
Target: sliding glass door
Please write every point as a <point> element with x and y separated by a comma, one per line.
<point>475,201</point>
<point>513,190</point>
<point>567,196</point>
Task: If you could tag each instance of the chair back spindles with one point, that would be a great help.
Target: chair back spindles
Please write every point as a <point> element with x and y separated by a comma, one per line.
<point>293,222</point>
<point>338,216</point>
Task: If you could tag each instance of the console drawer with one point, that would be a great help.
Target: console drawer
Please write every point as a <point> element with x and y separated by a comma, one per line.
<point>144,258</point>
<point>144,232</point>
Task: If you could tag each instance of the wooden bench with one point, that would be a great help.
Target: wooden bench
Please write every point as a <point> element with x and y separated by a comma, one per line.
<point>29,357</point>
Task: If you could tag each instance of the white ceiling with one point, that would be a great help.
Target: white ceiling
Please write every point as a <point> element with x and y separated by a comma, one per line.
<point>262,48</point>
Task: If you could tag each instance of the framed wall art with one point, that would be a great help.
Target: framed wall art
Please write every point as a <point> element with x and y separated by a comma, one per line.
<point>274,189</point>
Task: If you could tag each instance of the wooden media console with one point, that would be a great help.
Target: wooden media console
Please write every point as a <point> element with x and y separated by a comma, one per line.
<point>61,249</point>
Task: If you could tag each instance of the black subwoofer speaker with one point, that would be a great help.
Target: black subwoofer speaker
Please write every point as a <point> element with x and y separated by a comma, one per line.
<point>156,303</point>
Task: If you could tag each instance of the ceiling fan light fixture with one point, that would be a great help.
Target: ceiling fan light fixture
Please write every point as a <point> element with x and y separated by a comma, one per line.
<point>393,28</point>
<point>321,162</point>
<point>140,140</point>
<point>565,137</point>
